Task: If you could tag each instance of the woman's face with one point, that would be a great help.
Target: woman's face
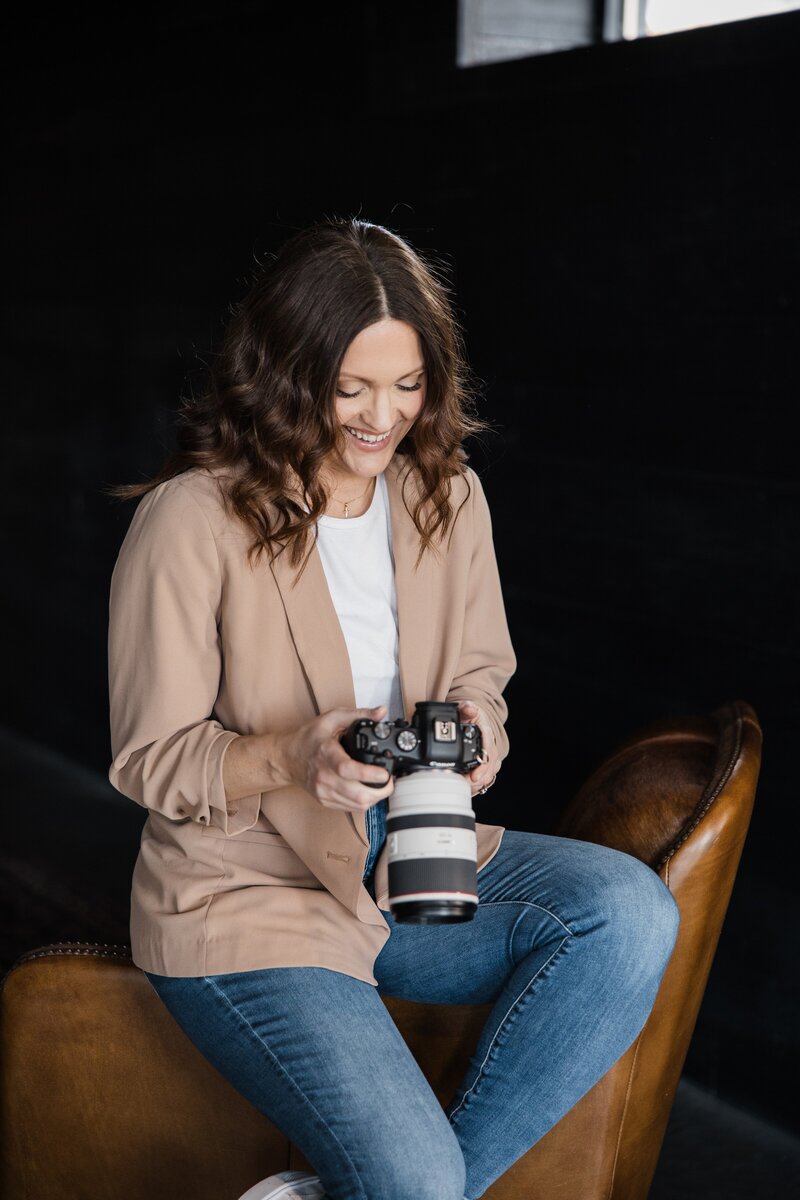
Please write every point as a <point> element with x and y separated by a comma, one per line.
<point>379,394</point>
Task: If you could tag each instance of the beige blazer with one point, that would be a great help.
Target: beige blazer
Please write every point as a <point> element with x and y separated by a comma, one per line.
<point>203,649</point>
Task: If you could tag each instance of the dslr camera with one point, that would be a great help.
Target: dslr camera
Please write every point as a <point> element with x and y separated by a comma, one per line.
<point>430,823</point>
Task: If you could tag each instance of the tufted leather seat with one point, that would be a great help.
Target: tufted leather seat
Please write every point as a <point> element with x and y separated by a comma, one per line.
<point>105,1097</point>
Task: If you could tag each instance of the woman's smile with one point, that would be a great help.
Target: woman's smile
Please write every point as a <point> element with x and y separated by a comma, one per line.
<point>368,441</point>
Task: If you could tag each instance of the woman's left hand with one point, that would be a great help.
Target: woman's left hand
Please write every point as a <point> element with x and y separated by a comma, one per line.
<point>483,776</point>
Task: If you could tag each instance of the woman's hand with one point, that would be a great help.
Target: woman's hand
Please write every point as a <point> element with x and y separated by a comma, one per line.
<point>483,776</point>
<point>313,758</point>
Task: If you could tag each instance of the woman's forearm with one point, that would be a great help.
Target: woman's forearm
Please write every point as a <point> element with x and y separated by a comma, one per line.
<point>253,763</point>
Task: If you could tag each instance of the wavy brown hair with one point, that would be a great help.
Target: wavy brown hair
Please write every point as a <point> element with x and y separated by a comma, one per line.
<point>267,413</point>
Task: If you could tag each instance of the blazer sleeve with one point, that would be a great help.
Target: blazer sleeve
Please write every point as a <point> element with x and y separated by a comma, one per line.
<point>165,665</point>
<point>487,660</point>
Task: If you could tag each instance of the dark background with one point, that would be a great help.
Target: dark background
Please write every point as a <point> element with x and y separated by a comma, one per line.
<point>622,227</point>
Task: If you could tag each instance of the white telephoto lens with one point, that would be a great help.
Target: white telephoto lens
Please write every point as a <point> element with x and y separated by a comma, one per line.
<point>432,848</point>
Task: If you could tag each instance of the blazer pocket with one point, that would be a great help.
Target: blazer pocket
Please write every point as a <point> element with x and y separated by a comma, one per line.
<point>249,835</point>
<point>257,857</point>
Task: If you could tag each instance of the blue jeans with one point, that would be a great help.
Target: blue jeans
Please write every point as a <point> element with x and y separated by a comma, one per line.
<point>376,832</point>
<point>568,944</point>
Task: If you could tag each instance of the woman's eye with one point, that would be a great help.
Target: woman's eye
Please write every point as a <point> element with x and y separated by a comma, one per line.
<point>414,387</point>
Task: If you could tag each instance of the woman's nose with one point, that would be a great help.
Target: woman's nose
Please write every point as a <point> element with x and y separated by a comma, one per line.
<point>380,413</point>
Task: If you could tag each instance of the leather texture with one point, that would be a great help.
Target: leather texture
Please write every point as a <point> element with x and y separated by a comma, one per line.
<point>105,1097</point>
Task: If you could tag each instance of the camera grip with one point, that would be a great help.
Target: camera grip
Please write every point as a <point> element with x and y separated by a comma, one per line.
<point>348,743</point>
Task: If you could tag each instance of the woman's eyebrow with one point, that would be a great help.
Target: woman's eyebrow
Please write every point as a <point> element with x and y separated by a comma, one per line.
<point>361,379</point>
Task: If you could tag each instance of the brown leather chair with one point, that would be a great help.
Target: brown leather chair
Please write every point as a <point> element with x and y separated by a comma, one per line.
<point>105,1098</point>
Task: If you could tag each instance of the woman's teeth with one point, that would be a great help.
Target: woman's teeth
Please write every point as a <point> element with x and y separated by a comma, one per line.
<point>370,438</point>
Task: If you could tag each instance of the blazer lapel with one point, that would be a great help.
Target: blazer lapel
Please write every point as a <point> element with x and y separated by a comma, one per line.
<point>319,641</point>
<point>317,632</point>
<point>315,626</point>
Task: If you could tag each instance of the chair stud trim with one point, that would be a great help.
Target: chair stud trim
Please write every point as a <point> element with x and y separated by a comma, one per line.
<point>707,800</point>
<point>113,950</point>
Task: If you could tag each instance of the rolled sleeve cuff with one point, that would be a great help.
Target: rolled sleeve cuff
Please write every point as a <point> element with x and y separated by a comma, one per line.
<point>244,813</point>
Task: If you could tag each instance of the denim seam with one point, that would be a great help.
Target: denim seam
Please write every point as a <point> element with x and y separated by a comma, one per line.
<point>513,933</point>
<point>505,1018</point>
<point>531,904</point>
<point>306,1100</point>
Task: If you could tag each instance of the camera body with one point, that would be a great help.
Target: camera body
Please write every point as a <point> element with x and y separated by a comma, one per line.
<point>434,739</point>
<point>430,826</point>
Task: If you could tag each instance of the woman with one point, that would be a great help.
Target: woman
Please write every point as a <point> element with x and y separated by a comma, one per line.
<point>318,550</point>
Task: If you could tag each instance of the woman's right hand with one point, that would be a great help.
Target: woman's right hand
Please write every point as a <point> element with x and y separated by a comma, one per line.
<point>313,758</point>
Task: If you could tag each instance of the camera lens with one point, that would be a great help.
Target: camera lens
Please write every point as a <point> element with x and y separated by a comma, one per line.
<point>432,849</point>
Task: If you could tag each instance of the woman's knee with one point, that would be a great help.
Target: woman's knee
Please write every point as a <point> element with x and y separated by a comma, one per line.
<point>639,912</point>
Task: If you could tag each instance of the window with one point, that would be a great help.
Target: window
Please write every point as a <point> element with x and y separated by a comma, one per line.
<point>646,18</point>
<point>498,30</point>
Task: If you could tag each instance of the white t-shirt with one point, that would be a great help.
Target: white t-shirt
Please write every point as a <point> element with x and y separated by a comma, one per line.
<point>356,554</point>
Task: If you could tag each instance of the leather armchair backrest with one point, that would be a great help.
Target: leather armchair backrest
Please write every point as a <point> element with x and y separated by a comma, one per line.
<point>679,796</point>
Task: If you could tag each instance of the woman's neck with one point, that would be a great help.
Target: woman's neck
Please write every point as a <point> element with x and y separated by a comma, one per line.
<point>351,498</point>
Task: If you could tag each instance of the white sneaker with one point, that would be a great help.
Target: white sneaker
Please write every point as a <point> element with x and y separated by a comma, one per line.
<point>286,1185</point>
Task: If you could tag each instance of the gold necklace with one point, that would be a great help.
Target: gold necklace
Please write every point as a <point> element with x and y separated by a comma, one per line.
<point>347,503</point>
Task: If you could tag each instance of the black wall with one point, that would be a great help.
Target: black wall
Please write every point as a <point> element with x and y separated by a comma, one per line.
<point>622,223</point>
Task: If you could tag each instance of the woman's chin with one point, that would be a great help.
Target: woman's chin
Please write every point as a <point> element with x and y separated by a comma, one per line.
<point>365,465</point>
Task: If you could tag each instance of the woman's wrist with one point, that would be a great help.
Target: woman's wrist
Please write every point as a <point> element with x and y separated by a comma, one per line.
<point>254,763</point>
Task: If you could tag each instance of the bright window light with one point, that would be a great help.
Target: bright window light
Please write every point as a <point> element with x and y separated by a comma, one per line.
<point>669,16</point>
<point>492,31</point>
